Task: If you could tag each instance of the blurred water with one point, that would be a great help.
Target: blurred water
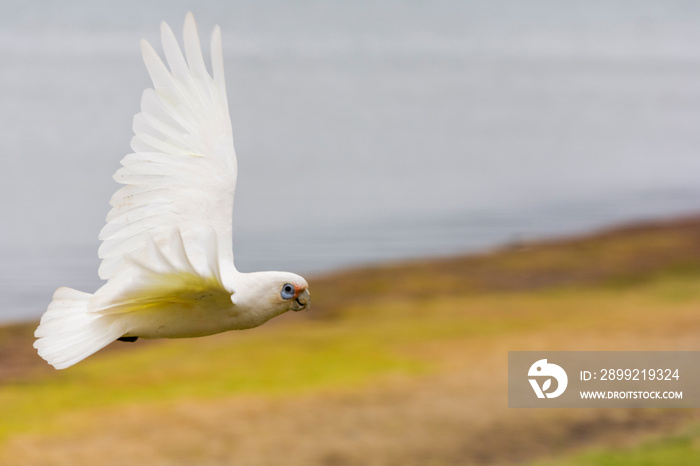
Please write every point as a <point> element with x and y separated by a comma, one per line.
<point>365,131</point>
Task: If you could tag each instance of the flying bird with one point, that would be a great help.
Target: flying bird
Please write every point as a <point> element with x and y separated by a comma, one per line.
<point>166,250</point>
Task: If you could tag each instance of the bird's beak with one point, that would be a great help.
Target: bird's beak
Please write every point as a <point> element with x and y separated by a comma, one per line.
<point>302,301</point>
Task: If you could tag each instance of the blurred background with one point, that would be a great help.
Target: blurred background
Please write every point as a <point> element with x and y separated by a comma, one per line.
<point>365,131</point>
<point>497,146</point>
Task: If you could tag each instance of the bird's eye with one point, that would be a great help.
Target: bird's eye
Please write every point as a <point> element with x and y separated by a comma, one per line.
<point>287,291</point>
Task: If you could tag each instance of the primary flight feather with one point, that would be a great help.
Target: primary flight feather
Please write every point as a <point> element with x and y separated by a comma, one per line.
<point>167,246</point>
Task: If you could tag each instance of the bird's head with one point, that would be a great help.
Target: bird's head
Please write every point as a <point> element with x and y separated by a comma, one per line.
<point>273,293</point>
<point>292,291</point>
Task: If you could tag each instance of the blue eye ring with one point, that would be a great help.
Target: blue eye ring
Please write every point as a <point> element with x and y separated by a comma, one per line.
<point>287,291</point>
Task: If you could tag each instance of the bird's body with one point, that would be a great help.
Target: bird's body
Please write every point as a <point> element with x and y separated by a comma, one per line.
<point>167,246</point>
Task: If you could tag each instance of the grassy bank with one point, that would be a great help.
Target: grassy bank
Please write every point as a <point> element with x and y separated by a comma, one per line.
<point>402,364</point>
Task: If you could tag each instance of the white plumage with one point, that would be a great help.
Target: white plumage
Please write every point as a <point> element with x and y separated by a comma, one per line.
<point>167,246</point>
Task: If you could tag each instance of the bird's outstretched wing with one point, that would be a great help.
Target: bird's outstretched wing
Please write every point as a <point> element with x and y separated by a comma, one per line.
<point>182,174</point>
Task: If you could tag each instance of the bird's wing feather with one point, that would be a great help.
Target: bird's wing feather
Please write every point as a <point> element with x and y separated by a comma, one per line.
<point>164,277</point>
<point>182,174</point>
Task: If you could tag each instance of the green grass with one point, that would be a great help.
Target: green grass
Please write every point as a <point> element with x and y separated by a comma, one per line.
<point>673,450</point>
<point>359,346</point>
<point>281,362</point>
<point>362,346</point>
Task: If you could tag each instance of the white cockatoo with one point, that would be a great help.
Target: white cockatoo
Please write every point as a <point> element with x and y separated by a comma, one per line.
<point>167,247</point>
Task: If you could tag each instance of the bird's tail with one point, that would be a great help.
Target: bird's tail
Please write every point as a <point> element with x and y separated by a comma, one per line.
<point>69,333</point>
